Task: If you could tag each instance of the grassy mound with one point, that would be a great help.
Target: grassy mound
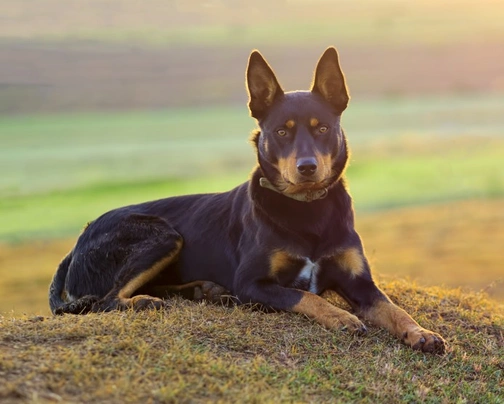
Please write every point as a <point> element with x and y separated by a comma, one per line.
<point>196,352</point>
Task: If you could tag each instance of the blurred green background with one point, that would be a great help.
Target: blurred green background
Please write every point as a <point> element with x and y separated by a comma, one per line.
<point>105,103</point>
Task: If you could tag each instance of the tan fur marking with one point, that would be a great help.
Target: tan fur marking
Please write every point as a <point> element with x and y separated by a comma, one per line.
<point>287,167</point>
<point>140,302</point>
<point>296,182</point>
<point>351,260</point>
<point>280,261</point>
<point>386,314</point>
<point>290,124</point>
<point>127,291</point>
<point>326,314</point>
<point>178,288</point>
<point>324,162</point>
<point>399,323</point>
<point>314,122</point>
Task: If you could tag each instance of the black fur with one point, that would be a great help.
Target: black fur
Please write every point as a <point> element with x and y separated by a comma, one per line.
<point>254,240</point>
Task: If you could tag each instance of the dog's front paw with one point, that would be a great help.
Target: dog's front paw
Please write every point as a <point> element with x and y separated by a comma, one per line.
<point>211,292</point>
<point>424,340</point>
<point>145,302</point>
<point>348,322</point>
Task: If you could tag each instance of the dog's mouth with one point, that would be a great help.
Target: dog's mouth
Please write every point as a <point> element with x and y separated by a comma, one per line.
<point>289,187</point>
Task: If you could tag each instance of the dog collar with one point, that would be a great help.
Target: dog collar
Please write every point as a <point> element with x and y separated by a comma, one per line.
<point>307,196</point>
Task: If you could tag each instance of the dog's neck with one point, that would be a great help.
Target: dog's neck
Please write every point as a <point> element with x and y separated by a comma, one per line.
<point>306,196</point>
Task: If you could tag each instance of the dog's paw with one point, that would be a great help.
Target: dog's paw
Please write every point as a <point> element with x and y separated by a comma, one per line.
<point>211,292</point>
<point>424,340</point>
<point>347,322</point>
<point>145,302</point>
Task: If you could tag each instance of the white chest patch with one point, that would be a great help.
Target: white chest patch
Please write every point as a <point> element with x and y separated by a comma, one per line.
<point>308,275</point>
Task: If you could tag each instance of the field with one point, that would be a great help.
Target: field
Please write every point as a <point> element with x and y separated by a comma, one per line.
<point>104,105</point>
<point>205,353</point>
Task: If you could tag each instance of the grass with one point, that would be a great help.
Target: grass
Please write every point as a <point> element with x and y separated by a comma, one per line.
<point>62,151</point>
<point>203,353</point>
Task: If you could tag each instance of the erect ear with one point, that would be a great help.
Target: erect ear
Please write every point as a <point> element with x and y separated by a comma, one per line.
<point>262,85</point>
<point>329,80</point>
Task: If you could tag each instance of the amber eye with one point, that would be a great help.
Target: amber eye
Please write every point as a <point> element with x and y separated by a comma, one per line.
<point>281,132</point>
<point>323,129</point>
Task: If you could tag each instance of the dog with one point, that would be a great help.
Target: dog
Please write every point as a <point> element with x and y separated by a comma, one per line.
<point>278,240</point>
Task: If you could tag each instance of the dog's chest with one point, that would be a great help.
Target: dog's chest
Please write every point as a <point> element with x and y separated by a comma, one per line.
<point>307,277</point>
<point>295,272</point>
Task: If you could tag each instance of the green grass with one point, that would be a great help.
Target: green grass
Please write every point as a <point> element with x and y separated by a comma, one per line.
<point>202,353</point>
<point>64,170</point>
<point>53,152</point>
<point>57,214</point>
<point>378,183</point>
<point>64,151</point>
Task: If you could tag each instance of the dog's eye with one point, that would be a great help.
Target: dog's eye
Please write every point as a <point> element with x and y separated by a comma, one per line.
<point>281,132</point>
<point>323,128</point>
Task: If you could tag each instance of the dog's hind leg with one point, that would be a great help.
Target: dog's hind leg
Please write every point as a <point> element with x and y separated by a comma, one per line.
<point>146,262</point>
<point>82,305</point>
<point>114,258</point>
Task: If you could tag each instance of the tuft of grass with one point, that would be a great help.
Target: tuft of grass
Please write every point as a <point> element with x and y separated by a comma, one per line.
<point>195,352</point>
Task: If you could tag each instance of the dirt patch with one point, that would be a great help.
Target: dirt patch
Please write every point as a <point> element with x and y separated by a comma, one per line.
<point>79,76</point>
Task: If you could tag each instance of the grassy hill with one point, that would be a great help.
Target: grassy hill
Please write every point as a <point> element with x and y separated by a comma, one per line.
<point>425,125</point>
<point>195,352</point>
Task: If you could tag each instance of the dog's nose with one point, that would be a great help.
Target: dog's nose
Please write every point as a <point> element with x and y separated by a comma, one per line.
<point>306,166</point>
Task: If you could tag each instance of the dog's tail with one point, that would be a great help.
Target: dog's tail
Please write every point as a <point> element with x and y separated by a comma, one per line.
<point>58,284</point>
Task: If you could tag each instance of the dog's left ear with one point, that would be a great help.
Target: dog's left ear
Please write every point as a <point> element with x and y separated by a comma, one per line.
<point>262,85</point>
<point>329,80</point>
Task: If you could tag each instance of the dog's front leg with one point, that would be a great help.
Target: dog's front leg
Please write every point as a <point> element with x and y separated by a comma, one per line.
<point>274,296</point>
<point>386,314</point>
<point>349,275</point>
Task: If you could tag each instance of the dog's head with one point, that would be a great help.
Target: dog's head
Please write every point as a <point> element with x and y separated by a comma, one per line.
<point>301,146</point>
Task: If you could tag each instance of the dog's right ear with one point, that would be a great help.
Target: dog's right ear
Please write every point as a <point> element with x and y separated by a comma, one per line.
<point>262,85</point>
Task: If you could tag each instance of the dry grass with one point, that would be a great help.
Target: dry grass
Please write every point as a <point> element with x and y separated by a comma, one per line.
<point>203,353</point>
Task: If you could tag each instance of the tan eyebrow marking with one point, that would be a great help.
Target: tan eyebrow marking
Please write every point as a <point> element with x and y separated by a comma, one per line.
<point>290,123</point>
<point>314,122</point>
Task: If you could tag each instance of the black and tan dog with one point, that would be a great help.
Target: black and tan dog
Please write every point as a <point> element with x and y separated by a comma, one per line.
<point>280,239</point>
